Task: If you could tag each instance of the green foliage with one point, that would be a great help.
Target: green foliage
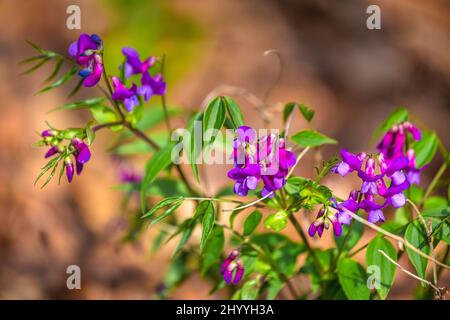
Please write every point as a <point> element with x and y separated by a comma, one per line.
<point>308,193</point>
<point>426,148</point>
<point>399,115</point>
<point>355,233</point>
<point>353,279</point>
<point>311,138</point>
<point>158,162</point>
<point>209,217</point>
<point>234,112</point>
<point>387,269</point>
<point>214,117</point>
<point>251,222</point>
<point>276,221</point>
<point>306,112</point>
<point>213,249</point>
<point>416,235</point>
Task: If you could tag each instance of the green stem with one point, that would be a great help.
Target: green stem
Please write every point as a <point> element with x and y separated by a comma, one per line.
<point>299,230</point>
<point>342,246</point>
<point>435,181</point>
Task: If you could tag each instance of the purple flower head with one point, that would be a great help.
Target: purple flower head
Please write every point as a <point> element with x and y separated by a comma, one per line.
<point>391,145</point>
<point>69,168</point>
<point>412,172</point>
<point>86,51</point>
<point>48,133</point>
<point>129,176</point>
<point>133,64</point>
<point>126,95</point>
<point>52,151</point>
<point>373,209</point>
<point>350,204</point>
<point>246,178</point>
<point>83,154</point>
<point>322,222</point>
<point>151,86</point>
<point>350,162</point>
<point>232,268</point>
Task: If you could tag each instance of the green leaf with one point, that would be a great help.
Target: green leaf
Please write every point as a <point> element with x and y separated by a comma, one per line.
<point>276,221</point>
<point>416,235</point>
<point>311,138</point>
<point>213,249</point>
<point>167,202</point>
<point>441,212</point>
<point>83,104</point>
<point>386,268</point>
<point>209,218</point>
<point>50,164</point>
<point>234,112</point>
<point>307,112</point>
<point>158,162</point>
<point>196,136</point>
<point>214,117</point>
<point>90,134</point>
<point>399,115</point>
<point>251,222</point>
<point>441,229</point>
<point>425,149</point>
<point>61,81</point>
<point>58,66</point>
<point>435,202</point>
<point>36,66</point>
<point>352,278</point>
<point>250,289</point>
<point>186,227</point>
<point>309,192</point>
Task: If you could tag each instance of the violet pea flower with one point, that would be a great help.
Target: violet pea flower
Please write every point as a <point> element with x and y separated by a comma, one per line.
<point>232,268</point>
<point>133,64</point>
<point>126,95</point>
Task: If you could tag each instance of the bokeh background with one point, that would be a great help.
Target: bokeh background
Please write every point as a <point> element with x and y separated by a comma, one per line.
<point>353,77</point>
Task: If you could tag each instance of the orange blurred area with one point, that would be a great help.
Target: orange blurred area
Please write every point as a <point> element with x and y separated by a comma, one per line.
<point>353,77</point>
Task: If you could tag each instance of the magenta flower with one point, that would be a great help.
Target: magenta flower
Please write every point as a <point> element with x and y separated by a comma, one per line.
<point>133,64</point>
<point>126,95</point>
<point>69,168</point>
<point>350,162</point>
<point>87,53</point>
<point>263,159</point>
<point>151,86</point>
<point>232,268</point>
<point>323,222</point>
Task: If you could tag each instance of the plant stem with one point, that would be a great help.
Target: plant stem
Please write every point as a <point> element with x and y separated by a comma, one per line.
<point>163,97</point>
<point>107,125</point>
<point>435,180</point>
<point>342,246</point>
<point>299,230</point>
<point>393,236</point>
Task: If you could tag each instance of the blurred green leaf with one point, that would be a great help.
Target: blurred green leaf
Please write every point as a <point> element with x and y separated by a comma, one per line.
<point>353,238</point>
<point>83,104</point>
<point>276,221</point>
<point>250,289</point>
<point>251,222</point>
<point>213,249</point>
<point>311,138</point>
<point>167,202</point>
<point>209,218</point>
<point>425,149</point>
<point>352,278</point>
<point>399,115</point>
<point>234,112</point>
<point>158,162</point>
<point>214,117</point>
<point>416,235</point>
<point>66,77</point>
<point>387,268</point>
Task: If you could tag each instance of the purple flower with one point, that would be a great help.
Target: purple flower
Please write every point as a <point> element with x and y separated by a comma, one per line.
<point>350,162</point>
<point>87,53</point>
<point>52,151</point>
<point>69,168</point>
<point>126,95</point>
<point>350,204</point>
<point>82,154</point>
<point>232,268</point>
<point>48,133</point>
<point>151,86</point>
<point>133,64</point>
<point>375,214</point>
<point>129,176</point>
<point>323,222</point>
<point>247,178</point>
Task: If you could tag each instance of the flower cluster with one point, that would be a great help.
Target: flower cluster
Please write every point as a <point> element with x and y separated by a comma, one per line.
<point>150,85</point>
<point>232,268</point>
<point>394,144</point>
<point>87,51</point>
<point>263,159</point>
<point>77,149</point>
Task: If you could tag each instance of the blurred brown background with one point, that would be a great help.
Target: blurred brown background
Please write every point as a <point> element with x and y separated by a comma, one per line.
<point>352,76</point>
